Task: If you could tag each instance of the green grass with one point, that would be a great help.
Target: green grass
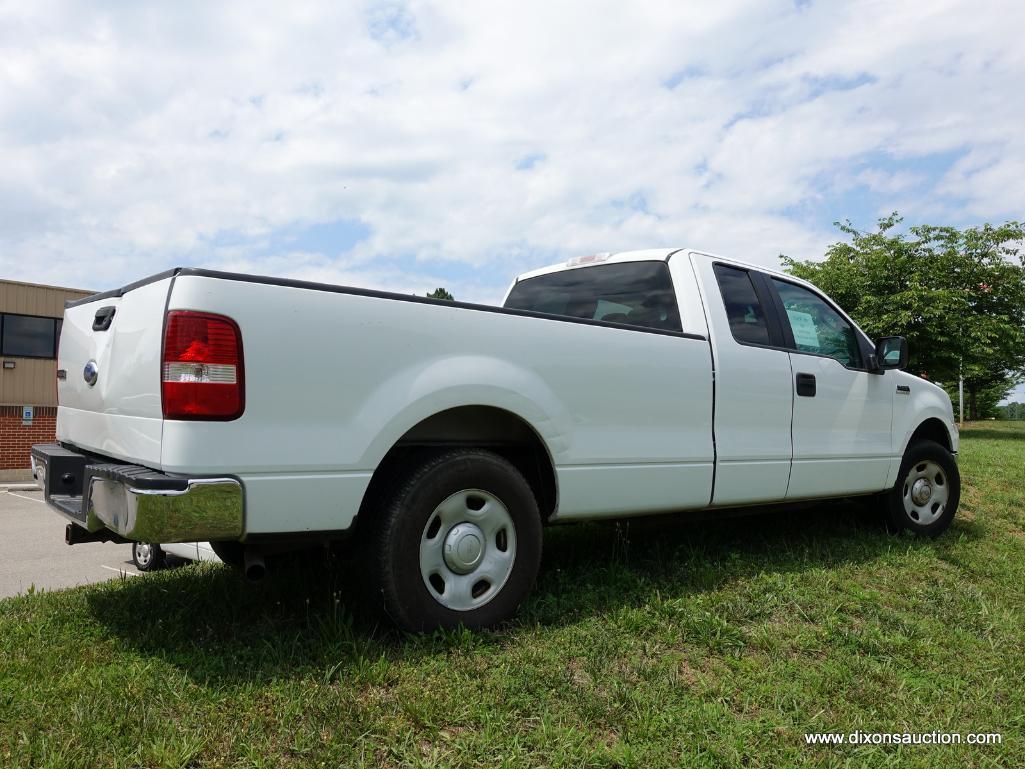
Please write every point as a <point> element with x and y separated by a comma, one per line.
<point>658,643</point>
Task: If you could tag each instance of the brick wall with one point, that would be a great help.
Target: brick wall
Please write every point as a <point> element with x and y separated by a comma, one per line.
<point>16,439</point>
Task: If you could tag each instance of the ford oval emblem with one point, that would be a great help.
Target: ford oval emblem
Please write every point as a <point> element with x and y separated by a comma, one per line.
<point>90,373</point>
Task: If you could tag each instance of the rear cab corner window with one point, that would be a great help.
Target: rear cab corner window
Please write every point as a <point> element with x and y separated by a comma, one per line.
<point>744,310</point>
<point>818,329</point>
<point>631,293</point>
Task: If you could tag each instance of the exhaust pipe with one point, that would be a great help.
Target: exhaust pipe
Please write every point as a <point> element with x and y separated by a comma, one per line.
<point>253,565</point>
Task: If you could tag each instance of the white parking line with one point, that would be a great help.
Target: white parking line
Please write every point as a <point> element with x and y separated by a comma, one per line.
<point>119,571</point>
<point>30,499</point>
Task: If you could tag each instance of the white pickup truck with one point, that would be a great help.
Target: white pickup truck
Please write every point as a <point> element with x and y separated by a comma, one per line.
<point>255,412</point>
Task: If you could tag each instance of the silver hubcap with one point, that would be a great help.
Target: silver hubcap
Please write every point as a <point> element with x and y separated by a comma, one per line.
<point>925,492</point>
<point>143,553</point>
<point>467,550</point>
<point>464,548</point>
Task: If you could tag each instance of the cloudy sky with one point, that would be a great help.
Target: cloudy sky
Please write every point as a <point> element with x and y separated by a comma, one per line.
<point>407,145</point>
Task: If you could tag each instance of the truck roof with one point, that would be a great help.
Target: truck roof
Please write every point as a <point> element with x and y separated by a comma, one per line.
<point>644,255</point>
<point>663,254</point>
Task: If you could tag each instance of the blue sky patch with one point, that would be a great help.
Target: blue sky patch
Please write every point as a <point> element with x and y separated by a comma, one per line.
<point>821,85</point>
<point>872,186</point>
<point>527,162</point>
<point>328,238</point>
<point>391,22</point>
<point>687,73</point>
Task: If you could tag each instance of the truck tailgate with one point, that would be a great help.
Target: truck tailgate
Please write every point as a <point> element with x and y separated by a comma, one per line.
<point>109,395</point>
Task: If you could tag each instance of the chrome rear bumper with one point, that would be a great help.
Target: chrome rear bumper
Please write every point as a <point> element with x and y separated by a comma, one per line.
<point>138,503</point>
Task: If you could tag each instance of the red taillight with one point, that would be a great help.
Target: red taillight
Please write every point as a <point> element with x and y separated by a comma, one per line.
<point>202,375</point>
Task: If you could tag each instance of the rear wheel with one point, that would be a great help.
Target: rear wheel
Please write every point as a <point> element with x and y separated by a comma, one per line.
<point>458,542</point>
<point>928,489</point>
<point>147,556</point>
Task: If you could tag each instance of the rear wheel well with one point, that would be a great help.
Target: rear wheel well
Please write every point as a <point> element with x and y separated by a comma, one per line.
<point>932,429</point>
<point>483,427</point>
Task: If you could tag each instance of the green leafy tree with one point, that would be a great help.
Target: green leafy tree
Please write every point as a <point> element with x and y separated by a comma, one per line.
<point>441,293</point>
<point>958,295</point>
<point>985,398</point>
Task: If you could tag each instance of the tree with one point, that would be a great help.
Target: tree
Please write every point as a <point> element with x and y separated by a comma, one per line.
<point>984,403</point>
<point>441,293</point>
<point>957,295</point>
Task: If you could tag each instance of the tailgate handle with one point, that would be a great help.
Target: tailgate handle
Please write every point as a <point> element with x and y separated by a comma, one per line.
<point>806,385</point>
<point>104,316</point>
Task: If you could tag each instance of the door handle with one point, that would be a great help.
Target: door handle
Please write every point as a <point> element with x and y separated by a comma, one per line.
<point>806,385</point>
<point>104,316</point>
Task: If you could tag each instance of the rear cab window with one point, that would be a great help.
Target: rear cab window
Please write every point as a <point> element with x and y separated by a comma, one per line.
<point>632,293</point>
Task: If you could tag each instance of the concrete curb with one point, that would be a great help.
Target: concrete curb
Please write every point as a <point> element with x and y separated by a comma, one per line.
<point>9,477</point>
<point>19,487</point>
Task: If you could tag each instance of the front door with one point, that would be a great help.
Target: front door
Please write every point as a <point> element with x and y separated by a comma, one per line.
<point>842,413</point>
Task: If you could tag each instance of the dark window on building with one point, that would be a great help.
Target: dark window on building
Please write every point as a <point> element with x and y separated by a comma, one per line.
<point>634,293</point>
<point>28,336</point>
<point>743,310</point>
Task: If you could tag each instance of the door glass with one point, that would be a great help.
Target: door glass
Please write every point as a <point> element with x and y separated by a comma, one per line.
<point>817,327</point>
<point>744,311</point>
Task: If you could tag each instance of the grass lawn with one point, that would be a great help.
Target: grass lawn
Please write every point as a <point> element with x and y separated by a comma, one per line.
<point>658,643</point>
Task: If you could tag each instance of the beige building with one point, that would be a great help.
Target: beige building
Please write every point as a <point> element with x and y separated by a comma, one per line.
<point>30,321</point>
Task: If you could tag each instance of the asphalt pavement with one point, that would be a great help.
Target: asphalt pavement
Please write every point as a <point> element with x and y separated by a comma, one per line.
<point>33,553</point>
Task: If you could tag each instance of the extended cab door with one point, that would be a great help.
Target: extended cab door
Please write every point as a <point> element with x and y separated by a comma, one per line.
<point>842,413</point>
<point>753,385</point>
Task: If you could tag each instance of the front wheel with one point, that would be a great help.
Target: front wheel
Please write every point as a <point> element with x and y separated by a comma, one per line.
<point>457,543</point>
<point>928,490</point>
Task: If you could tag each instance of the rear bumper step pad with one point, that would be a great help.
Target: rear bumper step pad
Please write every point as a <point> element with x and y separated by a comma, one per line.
<point>135,502</point>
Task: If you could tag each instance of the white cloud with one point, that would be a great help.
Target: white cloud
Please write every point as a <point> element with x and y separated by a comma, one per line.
<point>135,135</point>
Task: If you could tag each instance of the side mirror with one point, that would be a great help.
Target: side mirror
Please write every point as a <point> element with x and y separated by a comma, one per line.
<point>892,353</point>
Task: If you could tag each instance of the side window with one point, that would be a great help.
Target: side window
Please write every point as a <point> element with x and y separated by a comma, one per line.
<point>634,293</point>
<point>744,311</point>
<point>817,327</point>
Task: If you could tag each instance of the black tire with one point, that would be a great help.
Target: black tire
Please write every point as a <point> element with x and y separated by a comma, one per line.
<point>920,456</point>
<point>147,556</point>
<point>232,553</point>
<point>392,554</point>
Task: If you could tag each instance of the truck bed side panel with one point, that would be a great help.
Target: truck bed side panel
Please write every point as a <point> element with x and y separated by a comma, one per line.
<point>333,380</point>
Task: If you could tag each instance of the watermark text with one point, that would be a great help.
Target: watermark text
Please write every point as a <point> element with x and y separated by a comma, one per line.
<point>903,738</point>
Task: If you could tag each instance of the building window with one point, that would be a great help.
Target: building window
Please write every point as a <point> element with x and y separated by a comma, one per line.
<point>28,336</point>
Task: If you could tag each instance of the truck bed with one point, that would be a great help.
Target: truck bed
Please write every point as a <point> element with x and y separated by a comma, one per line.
<point>336,376</point>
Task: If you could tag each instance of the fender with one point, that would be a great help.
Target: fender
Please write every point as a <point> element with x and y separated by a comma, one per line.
<point>923,401</point>
<point>443,384</point>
